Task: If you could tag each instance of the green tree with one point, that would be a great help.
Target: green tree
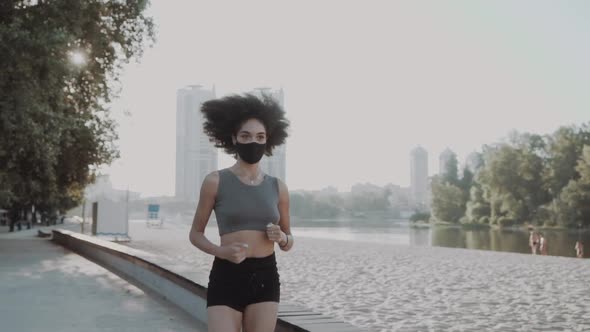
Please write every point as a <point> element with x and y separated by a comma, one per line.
<point>478,208</point>
<point>55,124</point>
<point>448,193</point>
<point>448,203</point>
<point>527,178</point>
<point>420,216</point>
<point>512,179</point>
<point>368,197</point>
<point>572,206</point>
<point>583,166</point>
<point>564,149</point>
<point>465,184</point>
<point>451,170</point>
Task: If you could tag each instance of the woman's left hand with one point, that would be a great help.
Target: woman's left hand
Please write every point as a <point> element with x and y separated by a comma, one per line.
<point>275,234</point>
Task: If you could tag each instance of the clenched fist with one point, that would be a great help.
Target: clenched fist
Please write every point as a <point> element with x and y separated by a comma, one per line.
<point>235,252</point>
<point>275,234</point>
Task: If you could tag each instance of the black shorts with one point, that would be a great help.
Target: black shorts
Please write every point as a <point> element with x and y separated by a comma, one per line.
<point>252,281</point>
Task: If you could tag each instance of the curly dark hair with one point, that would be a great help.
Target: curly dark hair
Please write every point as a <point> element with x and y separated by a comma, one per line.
<point>225,116</point>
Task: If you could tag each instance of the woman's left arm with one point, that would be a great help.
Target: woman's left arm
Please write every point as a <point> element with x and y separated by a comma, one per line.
<point>284,221</point>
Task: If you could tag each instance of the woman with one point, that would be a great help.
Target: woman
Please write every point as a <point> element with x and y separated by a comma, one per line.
<point>534,241</point>
<point>579,248</point>
<point>542,244</point>
<point>252,212</point>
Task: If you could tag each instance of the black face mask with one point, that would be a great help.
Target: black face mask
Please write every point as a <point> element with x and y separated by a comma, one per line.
<point>250,152</point>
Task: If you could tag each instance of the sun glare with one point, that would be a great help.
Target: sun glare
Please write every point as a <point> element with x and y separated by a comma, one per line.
<point>77,58</point>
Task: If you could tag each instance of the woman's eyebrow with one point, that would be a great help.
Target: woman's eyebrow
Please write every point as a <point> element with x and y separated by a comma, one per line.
<point>247,132</point>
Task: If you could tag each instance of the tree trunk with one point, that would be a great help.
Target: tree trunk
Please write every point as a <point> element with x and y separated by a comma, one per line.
<point>34,219</point>
<point>14,218</point>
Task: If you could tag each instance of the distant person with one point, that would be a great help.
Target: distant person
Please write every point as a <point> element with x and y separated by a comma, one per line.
<point>579,247</point>
<point>534,241</point>
<point>252,210</point>
<point>542,244</point>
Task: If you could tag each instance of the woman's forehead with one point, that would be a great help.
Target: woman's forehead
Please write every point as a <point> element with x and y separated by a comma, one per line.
<point>253,126</point>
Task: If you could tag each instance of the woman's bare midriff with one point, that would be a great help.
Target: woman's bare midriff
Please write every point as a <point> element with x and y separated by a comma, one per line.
<point>258,243</point>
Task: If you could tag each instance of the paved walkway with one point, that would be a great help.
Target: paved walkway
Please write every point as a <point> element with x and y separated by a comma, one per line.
<point>45,287</point>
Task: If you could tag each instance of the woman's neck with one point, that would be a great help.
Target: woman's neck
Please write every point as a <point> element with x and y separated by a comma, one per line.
<point>243,168</point>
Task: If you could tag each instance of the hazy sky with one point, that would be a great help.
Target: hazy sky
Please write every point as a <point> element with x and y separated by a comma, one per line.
<point>364,81</point>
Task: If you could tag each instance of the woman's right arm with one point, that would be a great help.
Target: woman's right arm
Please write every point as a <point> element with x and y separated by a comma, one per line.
<point>204,208</point>
<point>235,252</point>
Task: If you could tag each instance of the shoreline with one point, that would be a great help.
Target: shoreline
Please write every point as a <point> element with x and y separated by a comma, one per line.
<point>423,224</point>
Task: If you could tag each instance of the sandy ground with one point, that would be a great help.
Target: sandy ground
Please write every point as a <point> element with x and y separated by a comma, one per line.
<point>385,287</point>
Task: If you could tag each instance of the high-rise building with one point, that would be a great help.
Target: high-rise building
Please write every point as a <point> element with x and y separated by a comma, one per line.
<point>419,176</point>
<point>275,165</point>
<point>443,160</point>
<point>196,156</point>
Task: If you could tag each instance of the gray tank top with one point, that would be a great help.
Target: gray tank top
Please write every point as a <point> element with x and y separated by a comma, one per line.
<point>239,206</point>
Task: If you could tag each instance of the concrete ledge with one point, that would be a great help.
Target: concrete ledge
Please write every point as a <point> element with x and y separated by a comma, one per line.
<point>186,294</point>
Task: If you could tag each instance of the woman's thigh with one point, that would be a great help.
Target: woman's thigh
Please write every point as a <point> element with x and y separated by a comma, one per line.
<point>261,317</point>
<point>222,318</point>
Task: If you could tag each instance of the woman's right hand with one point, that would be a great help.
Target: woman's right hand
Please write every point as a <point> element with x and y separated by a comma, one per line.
<point>235,252</point>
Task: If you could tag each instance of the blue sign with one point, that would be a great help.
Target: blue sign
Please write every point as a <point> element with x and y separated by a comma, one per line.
<point>153,210</point>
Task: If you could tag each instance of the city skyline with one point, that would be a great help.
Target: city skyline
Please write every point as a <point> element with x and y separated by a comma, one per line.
<point>196,156</point>
<point>362,91</point>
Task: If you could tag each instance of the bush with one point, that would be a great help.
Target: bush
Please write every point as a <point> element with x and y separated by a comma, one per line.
<point>505,221</point>
<point>420,216</point>
<point>484,220</point>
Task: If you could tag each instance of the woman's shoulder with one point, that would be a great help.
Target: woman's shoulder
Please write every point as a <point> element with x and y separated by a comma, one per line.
<point>279,185</point>
<point>211,179</point>
<point>280,182</point>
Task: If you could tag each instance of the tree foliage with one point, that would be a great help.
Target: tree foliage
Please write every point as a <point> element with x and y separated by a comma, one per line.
<point>447,201</point>
<point>55,124</point>
<point>526,179</point>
